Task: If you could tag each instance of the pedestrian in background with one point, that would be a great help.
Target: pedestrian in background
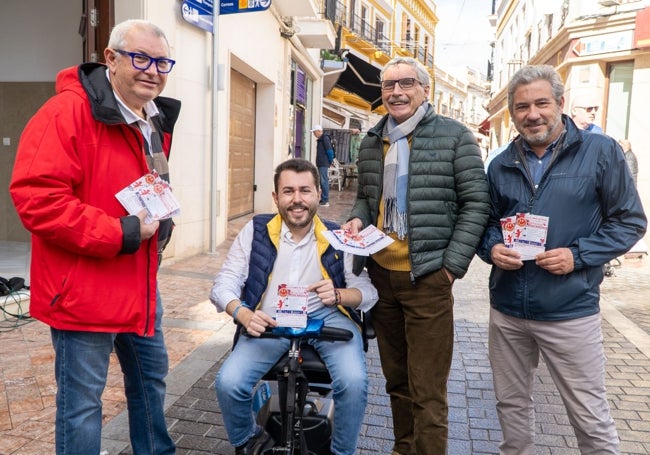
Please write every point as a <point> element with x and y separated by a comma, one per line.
<point>355,142</point>
<point>421,180</point>
<point>630,158</point>
<point>289,249</point>
<point>324,159</point>
<point>94,266</point>
<point>583,113</point>
<point>550,304</point>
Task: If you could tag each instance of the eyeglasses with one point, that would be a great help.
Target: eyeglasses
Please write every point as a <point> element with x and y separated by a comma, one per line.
<point>405,83</point>
<point>589,109</point>
<point>142,62</point>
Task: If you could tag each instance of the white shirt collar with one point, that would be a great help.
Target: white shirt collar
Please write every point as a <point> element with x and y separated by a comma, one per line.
<point>286,234</point>
<point>150,108</point>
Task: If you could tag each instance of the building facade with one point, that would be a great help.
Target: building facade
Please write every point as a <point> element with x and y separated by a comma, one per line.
<point>599,47</point>
<point>370,33</point>
<point>251,92</point>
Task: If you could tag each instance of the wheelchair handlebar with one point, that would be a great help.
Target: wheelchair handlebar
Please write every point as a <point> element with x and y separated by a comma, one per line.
<point>335,334</point>
<point>315,329</point>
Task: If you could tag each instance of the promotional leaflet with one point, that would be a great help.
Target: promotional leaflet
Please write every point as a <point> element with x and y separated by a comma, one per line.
<point>365,243</point>
<point>291,307</point>
<point>525,233</point>
<point>152,193</point>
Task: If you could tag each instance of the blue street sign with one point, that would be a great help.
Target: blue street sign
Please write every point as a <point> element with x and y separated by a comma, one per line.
<point>199,13</point>
<point>243,6</point>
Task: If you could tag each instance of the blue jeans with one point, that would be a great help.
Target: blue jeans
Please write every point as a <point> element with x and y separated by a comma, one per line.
<point>81,369</point>
<point>324,184</point>
<point>345,361</point>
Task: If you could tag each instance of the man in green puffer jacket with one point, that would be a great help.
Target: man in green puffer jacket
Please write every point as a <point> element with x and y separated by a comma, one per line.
<point>421,180</point>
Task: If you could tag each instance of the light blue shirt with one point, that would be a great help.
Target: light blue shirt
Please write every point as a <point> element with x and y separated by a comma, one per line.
<point>537,165</point>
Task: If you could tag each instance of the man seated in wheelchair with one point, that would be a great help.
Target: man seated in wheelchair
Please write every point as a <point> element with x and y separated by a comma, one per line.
<point>279,270</point>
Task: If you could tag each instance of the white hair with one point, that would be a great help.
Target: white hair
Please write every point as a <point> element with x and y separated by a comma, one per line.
<point>118,34</point>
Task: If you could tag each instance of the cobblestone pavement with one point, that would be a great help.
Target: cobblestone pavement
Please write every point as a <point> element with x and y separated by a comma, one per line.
<point>195,418</point>
<point>196,424</point>
<point>198,339</point>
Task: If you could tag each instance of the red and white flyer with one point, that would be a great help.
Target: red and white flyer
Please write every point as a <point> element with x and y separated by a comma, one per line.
<point>367,242</point>
<point>152,193</point>
<point>525,233</point>
<point>291,307</point>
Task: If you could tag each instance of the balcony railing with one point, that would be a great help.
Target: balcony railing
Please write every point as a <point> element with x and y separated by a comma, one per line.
<point>337,12</point>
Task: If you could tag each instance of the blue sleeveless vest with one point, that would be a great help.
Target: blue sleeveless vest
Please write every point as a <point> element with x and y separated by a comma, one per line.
<point>263,254</point>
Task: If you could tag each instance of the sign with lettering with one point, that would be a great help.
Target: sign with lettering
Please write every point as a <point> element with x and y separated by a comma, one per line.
<point>199,13</point>
<point>243,6</point>
<point>600,44</point>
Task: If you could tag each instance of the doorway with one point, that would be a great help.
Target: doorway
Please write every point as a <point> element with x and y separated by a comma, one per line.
<point>619,97</point>
<point>241,162</point>
<point>97,21</point>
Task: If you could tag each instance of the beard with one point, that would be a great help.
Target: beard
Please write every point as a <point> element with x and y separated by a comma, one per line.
<point>543,137</point>
<point>294,222</point>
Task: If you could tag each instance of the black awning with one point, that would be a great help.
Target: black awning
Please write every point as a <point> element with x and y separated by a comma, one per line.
<point>362,79</point>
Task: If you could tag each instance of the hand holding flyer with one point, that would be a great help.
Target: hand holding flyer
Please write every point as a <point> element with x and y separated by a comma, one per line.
<point>152,193</point>
<point>525,233</point>
<point>365,243</point>
<point>291,307</point>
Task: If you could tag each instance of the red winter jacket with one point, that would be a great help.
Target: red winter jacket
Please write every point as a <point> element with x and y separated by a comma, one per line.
<point>89,271</point>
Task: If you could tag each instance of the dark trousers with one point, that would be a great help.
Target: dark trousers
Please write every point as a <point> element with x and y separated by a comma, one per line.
<point>415,333</point>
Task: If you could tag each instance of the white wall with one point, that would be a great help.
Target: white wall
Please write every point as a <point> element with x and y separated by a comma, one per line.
<point>190,82</point>
<point>260,55</point>
<point>639,136</point>
<point>40,37</point>
<point>53,43</point>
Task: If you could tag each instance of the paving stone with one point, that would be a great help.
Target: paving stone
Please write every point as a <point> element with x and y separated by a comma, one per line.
<point>473,423</point>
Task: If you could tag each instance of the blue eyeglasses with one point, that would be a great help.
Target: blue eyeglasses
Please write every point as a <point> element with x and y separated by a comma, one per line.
<point>142,62</point>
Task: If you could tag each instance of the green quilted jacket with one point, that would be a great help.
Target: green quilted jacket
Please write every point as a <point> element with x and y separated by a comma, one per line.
<point>448,200</point>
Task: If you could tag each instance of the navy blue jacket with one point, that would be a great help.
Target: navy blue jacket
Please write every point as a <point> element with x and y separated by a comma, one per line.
<point>323,144</point>
<point>264,252</point>
<point>593,208</point>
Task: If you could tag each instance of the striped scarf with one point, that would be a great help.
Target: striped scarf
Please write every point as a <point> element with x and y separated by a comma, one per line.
<point>396,166</point>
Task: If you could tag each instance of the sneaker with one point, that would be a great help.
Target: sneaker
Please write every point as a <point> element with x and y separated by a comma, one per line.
<point>256,445</point>
<point>324,204</point>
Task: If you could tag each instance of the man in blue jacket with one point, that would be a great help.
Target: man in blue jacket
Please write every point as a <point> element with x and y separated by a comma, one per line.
<point>324,159</point>
<point>550,304</point>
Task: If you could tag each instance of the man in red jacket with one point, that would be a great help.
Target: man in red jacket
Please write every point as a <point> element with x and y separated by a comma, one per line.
<point>94,266</point>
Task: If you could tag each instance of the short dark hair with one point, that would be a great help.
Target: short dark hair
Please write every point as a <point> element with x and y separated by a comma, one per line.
<point>297,165</point>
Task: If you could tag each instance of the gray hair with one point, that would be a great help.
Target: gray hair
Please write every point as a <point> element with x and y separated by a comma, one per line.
<point>118,34</point>
<point>532,73</point>
<point>420,70</point>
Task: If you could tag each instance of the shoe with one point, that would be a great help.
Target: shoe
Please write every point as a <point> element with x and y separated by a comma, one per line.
<point>324,204</point>
<point>255,445</point>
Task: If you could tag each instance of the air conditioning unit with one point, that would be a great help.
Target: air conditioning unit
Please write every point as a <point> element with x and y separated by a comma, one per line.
<point>609,2</point>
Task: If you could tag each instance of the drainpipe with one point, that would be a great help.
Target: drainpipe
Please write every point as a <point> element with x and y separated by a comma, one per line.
<point>214,192</point>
